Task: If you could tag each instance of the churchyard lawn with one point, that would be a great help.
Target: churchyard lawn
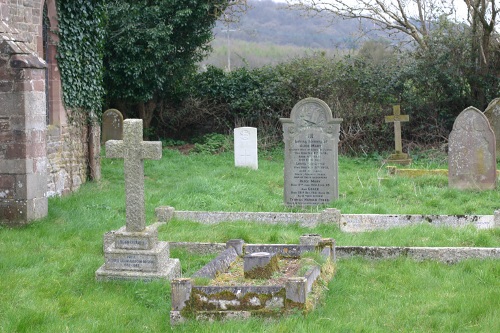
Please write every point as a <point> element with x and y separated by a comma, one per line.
<point>47,269</point>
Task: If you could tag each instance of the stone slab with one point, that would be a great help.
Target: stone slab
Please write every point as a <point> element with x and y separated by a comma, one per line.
<point>245,147</point>
<point>170,269</point>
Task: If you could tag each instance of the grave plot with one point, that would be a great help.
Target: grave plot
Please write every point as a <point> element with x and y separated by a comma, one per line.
<point>249,280</point>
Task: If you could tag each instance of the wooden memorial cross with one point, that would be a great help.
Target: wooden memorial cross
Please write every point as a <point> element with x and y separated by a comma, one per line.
<point>133,150</point>
<point>397,118</point>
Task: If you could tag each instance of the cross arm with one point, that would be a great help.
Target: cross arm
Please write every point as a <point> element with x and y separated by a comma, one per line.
<point>151,150</point>
<point>402,118</point>
<point>114,149</point>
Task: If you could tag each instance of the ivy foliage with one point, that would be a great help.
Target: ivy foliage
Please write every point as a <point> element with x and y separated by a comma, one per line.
<point>153,44</point>
<point>80,53</point>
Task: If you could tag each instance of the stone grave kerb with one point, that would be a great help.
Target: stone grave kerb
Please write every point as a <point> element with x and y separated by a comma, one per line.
<point>134,150</point>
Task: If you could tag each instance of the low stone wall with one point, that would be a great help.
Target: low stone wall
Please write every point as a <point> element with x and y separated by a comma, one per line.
<point>371,222</point>
<point>304,219</point>
<point>448,255</point>
<point>442,254</point>
<point>346,222</point>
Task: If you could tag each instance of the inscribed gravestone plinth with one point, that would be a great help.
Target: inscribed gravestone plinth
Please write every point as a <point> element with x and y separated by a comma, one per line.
<point>492,112</point>
<point>112,125</point>
<point>398,157</point>
<point>136,252</point>
<point>245,147</point>
<point>472,152</point>
<point>311,137</point>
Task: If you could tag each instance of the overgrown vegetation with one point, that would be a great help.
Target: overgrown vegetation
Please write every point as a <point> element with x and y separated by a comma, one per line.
<point>80,51</point>
<point>47,268</point>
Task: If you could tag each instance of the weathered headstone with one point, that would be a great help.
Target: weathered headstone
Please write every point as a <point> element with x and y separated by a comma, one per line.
<point>311,137</point>
<point>398,157</point>
<point>112,125</point>
<point>492,112</point>
<point>245,147</point>
<point>136,253</point>
<point>472,152</point>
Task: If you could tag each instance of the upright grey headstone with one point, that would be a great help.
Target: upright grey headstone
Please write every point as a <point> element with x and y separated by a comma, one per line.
<point>492,112</point>
<point>135,252</point>
<point>311,137</point>
<point>472,152</point>
<point>112,125</point>
<point>245,147</point>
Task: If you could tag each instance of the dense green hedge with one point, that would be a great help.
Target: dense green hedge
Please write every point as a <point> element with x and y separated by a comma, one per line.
<point>358,89</point>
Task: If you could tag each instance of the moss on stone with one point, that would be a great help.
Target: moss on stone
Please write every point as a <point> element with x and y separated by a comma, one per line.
<point>264,272</point>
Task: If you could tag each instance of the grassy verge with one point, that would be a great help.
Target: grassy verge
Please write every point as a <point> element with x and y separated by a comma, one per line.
<point>47,269</point>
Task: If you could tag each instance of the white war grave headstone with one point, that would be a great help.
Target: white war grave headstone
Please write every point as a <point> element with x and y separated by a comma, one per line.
<point>245,147</point>
<point>112,125</point>
<point>136,253</point>
<point>397,118</point>
<point>492,112</point>
<point>311,137</point>
<point>472,152</point>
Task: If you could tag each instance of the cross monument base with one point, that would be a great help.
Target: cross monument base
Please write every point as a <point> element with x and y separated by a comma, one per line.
<point>399,158</point>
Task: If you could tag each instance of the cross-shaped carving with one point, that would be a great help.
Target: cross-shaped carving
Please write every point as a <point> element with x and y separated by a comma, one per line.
<point>246,155</point>
<point>397,118</point>
<point>133,150</point>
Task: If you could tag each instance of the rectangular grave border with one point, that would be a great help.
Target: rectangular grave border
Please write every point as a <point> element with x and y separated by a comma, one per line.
<point>449,255</point>
<point>190,301</point>
<point>345,222</point>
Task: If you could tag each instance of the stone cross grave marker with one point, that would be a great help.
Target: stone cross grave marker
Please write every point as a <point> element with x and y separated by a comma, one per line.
<point>397,118</point>
<point>492,112</point>
<point>472,152</point>
<point>311,137</point>
<point>245,147</point>
<point>133,252</point>
<point>112,125</point>
<point>133,150</point>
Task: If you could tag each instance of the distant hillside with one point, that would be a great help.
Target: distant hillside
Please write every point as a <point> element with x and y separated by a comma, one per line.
<point>269,33</point>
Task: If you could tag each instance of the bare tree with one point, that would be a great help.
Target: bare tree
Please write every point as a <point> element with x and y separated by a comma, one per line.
<point>482,15</point>
<point>411,17</point>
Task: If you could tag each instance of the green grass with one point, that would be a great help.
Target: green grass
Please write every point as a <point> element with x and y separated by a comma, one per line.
<point>47,268</point>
